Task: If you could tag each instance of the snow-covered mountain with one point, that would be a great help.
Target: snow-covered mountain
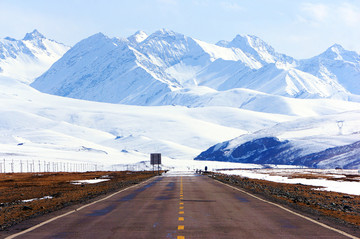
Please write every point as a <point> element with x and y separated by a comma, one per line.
<point>102,69</point>
<point>28,58</point>
<point>150,70</point>
<point>256,48</point>
<point>314,142</point>
<point>336,65</point>
<point>186,96</point>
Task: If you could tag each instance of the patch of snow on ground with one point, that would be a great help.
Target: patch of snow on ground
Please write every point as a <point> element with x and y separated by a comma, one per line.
<point>89,181</point>
<point>328,185</point>
<point>35,199</point>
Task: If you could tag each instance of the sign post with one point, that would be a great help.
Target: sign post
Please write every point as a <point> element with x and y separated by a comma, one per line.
<point>155,158</point>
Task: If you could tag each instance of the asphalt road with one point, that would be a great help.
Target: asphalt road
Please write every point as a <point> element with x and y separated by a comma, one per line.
<point>181,207</point>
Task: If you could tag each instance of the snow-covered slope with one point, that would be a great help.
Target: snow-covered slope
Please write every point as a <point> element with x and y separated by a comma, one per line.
<point>39,126</point>
<point>28,58</point>
<point>336,65</point>
<point>46,127</point>
<point>102,69</point>
<point>324,141</point>
<point>278,79</point>
<point>143,70</point>
<point>255,101</point>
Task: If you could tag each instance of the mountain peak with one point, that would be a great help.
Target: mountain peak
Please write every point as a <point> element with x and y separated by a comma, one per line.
<point>337,48</point>
<point>97,37</point>
<point>33,35</point>
<point>337,52</point>
<point>138,37</point>
<point>165,34</point>
<point>254,46</point>
<point>252,41</point>
<point>165,31</point>
<point>247,42</point>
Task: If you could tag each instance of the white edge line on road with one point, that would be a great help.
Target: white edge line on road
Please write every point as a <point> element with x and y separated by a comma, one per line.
<point>295,213</point>
<point>76,210</point>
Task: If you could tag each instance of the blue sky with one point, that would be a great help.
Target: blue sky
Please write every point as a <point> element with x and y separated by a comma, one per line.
<point>300,28</point>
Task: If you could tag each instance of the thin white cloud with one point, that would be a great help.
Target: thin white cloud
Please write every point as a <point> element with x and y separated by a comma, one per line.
<point>350,14</point>
<point>314,12</point>
<point>324,23</point>
<point>320,13</point>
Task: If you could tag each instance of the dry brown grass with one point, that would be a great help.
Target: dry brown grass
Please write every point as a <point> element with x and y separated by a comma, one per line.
<point>348,177</point>
<point>16,187</point>
<point>341,207</point>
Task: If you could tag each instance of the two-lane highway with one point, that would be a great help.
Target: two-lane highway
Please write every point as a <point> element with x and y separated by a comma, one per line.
<point>178,207</point>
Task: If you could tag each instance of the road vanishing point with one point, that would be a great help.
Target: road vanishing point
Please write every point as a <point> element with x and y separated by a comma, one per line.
<point>180,206</point>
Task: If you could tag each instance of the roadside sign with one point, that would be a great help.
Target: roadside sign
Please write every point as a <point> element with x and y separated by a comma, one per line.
<point>155,158</point>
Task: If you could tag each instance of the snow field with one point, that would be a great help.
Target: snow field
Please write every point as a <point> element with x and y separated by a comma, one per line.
<point>324,184</point>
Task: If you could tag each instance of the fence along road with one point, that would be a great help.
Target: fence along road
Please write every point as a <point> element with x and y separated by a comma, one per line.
<point>42,166</point>
<point>180,207</point>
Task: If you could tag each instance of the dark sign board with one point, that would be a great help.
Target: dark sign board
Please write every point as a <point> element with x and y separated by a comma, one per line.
<point>155,159</point>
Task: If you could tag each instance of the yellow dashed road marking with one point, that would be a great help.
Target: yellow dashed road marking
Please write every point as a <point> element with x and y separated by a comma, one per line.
<point>181,227</point>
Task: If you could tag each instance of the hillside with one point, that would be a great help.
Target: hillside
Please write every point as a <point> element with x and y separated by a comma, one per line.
<point>313,142</point>
<point>28,58</point>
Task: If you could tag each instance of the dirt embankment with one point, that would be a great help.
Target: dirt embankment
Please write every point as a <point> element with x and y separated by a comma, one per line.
<point>338,207</point>
<point>27,195</point>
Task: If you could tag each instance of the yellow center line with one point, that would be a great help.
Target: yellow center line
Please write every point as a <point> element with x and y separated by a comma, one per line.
<point>181,227</point>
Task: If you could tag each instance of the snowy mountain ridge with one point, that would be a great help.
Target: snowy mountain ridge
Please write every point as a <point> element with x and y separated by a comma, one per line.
<point>257,48</point>
<point>336,65</point>
<point>28,58</point>
<point>144,69</point>
<point>247,96</point>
